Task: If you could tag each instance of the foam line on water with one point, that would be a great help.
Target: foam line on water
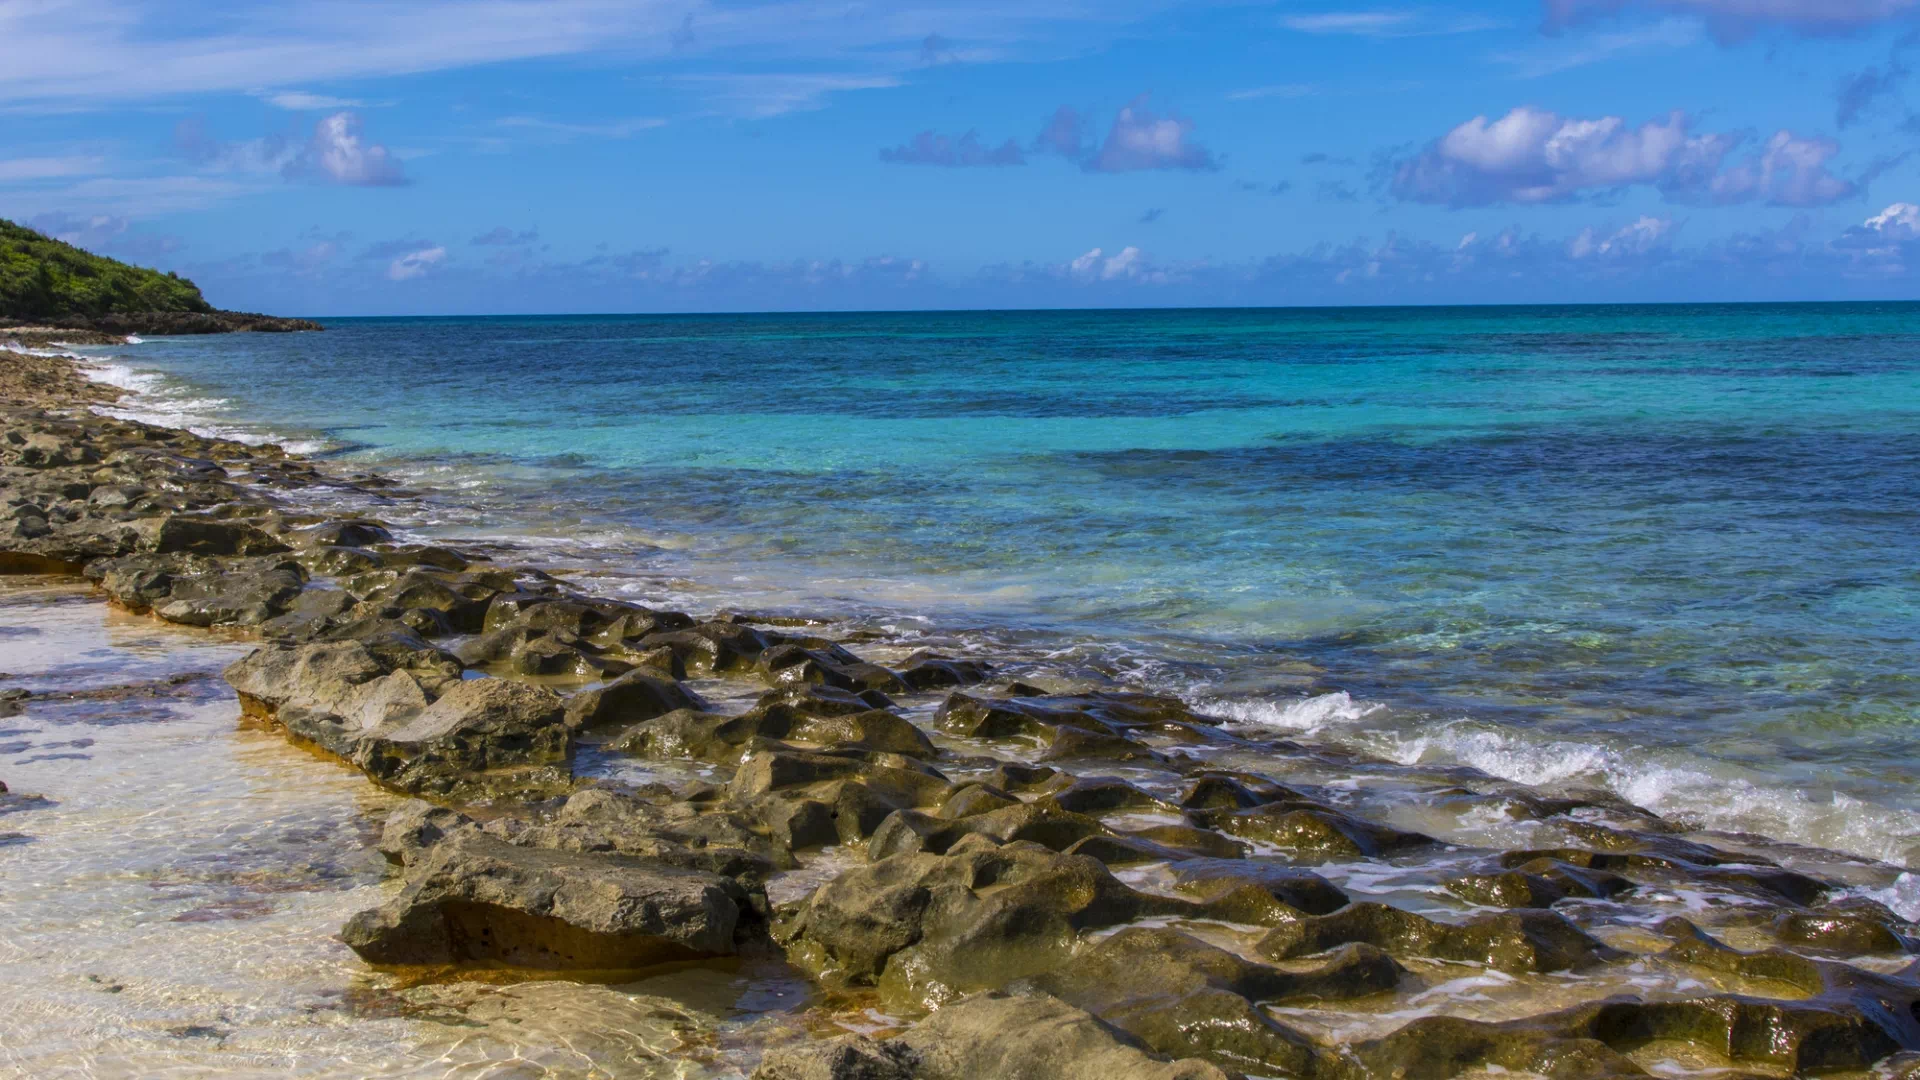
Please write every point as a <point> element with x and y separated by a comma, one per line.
<point>1698,791</point>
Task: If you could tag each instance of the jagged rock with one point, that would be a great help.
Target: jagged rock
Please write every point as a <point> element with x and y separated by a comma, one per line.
<point>204,536</point>
<point>511,730</point>
<point>924,671</point>
<point>1518,941</point>
<point>718,840</point>
<point>414,827</point>
<point>477,900</point>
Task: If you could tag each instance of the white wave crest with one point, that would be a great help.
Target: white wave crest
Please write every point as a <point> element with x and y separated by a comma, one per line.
<point>1304,715</point>
<point>1708,794</point>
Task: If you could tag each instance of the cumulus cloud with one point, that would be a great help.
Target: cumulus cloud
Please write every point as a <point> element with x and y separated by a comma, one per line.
<point>967,151</point>
<point>1534,156</point>
<point>1138,140</point>
<point>336,153</point>
<point>416,264</point>
<point>339,154</point>
<point>1141,139</point>
<point>1734,20</point>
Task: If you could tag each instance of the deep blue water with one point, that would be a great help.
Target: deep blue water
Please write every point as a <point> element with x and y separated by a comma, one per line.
<point>1671,548</point>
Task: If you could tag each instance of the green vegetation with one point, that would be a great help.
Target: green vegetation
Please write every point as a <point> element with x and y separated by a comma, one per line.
<point>42,278</point>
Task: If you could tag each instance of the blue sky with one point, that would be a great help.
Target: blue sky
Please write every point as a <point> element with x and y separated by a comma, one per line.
<point>497,156</point>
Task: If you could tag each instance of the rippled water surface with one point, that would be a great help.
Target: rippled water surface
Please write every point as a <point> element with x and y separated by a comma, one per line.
<point>169,908</point>
<point>1666,549</point>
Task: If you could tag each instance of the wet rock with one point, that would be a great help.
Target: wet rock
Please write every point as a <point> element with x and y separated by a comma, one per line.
<point>477,901</point>
<point>1857,928</point>
<point>1519,941</point>
<point>988,1037</point>
<point>924,671</point>
<point>347,533</point>
<point>1536,884</point>
<point>788,665</point>
<point>1049,826</point>
<point>1311,829</point>
<point>713,647</point>
<point>1297,888</point>
<point>633,698</point>
<point>927,929</point>
<point>1183,997</point>
<point>779,770</point>
<point>1649,867</point>
<point>204,536</point>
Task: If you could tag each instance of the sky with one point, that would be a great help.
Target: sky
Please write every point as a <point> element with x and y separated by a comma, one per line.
<point>348,157</point>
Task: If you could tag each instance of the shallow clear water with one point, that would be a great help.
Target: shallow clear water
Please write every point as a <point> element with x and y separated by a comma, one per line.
<point>1667,549</point>
<point>170,909</point>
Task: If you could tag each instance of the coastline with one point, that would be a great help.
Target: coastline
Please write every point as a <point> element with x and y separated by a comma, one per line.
<point>955,796</point>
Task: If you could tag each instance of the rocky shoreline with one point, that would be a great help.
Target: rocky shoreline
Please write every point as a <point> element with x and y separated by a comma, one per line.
<point>1036,879</point>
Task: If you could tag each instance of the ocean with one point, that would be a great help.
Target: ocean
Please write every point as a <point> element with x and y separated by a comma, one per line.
<point>1670,550</point>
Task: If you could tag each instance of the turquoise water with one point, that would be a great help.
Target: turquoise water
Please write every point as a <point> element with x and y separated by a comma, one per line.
<point>1671,549</point>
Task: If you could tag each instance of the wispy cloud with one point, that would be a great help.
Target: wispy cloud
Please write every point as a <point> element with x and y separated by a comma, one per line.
<point>1734,20</point>
<point>15,170</point>
<point>1390,23</point>
<point>1278,90</point>
<point>606,129</point>
<point>1564,54</point>
<point>301,101</point>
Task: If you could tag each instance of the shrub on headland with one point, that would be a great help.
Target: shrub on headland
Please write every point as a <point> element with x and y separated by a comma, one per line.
<point>42,278</point>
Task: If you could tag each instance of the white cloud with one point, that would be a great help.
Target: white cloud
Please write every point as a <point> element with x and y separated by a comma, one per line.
<point>339,154</point>
<point>1141,139</point>
<point>1534,156</point>
<point>416,264</point>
